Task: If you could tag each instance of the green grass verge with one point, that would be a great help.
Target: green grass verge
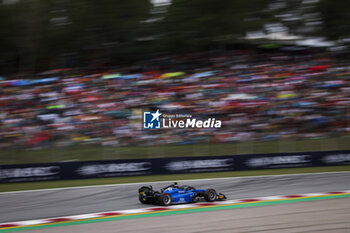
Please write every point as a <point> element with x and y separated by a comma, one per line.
<point>136,179</point>
<point>90,152</point>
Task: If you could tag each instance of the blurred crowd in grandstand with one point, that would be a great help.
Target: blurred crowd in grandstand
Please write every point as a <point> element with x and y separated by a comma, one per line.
<point>257,96</point>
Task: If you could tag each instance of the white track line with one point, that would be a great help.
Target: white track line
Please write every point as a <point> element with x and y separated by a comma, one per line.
<point>169,181</point>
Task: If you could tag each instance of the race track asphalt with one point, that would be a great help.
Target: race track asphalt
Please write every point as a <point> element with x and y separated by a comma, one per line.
<point>28,205</point>
<point>303,217</point>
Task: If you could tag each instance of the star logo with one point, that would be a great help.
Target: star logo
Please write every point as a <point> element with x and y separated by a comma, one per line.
<point>156,115</point>
<point>151,120</point>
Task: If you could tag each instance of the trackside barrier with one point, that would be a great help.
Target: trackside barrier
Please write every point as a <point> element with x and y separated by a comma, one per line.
<point>179,165</point>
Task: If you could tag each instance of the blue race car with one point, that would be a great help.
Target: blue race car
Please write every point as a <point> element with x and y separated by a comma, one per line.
<point>175,194</point>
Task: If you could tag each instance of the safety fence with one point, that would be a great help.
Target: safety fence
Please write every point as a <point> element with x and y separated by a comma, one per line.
<point>179,165</point>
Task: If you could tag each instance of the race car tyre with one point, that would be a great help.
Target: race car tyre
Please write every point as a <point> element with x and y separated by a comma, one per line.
<point>210,195</point>
<point>143,200</point>
<point>144,192</point>
<point>165,199</point>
